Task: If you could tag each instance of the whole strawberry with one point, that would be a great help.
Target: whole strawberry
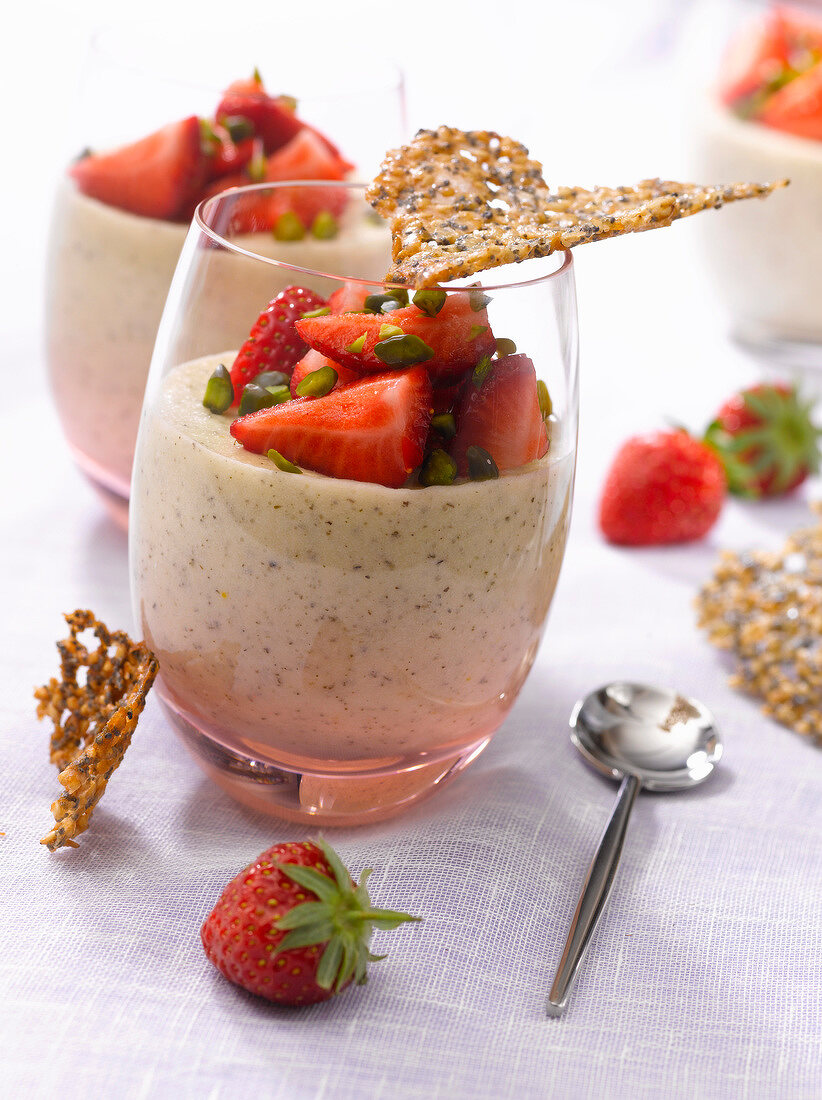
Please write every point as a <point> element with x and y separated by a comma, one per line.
<point>662,487</point>
<point>294,927</point>
<point>766,440</point>
<point>274,343</point>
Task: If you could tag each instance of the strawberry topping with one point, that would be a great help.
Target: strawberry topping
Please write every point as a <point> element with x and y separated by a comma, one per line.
<point>371,430</point>
<point>315,360</point>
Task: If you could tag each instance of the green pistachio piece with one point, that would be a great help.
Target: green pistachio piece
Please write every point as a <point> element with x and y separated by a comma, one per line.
<point>279,393</point>
<point>356,346</point>
<point>288,101</point>
<point>271,378</point>
<point>478,300</point>
<point>219,392</point>
<point>403,351</point>
<point>323,311</point>
<point>256,168</point>
<point>481,371</point>
<point>382,303</point>
<point>288,227</point>
<point>399,294</point>
<point>390,304</point>
<point>481,466</point>
<point>390,330</point>
<point>430,300</point>
<point>439,468</point>
<point>505,347</point>
<point>445,424</point>
<point>324,226</point>
<point>283,463</point>
<point>477,330</point>
<point>209,142</point>
<point>258,397</point>
<point>318,383</point>
<point>238,126</point>
<point>546,405</point>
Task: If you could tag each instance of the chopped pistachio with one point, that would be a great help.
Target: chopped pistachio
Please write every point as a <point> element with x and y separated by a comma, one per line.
<point>323,311</point>
<point>439,468</point>
<point>288,101</point>
<point>219,392</point>
<point>282,463</point>
<point>256,167</point>
<point>430,300</point>
<point>477,330</point>
<point>261,397</point>
<point>271,378</point>
<point>481,466</point>
<point>481,371</point>
<point>445,424</point>
<point>288,227</point>
<point>318,383</point>
<point>390,330</point>
<point>382,303</point>
<point>546,405</point>
<point>238,126</point>
<point>403,351</point>
<point>505,347</point>
<point>399,293</point>
<point>324,226</point>
<point>209,141</point>
<point>356,346</point>
<point>478,301</point>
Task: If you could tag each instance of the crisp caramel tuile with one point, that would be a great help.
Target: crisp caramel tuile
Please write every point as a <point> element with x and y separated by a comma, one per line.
<point>461,202</point>
<point>94,714</point>
<point>766,608</point>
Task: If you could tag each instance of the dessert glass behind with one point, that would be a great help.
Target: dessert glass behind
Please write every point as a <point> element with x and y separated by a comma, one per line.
<point>109,271</point>
<point>332,650</point>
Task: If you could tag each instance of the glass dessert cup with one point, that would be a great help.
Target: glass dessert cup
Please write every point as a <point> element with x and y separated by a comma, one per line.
<point>764,259</point>
<point>109,270</point>
<point>334,650</point>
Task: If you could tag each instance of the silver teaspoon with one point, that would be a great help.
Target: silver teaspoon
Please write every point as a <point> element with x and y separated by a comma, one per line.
<point>647,737</point>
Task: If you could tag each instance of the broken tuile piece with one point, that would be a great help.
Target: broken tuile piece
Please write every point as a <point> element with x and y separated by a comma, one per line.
<point>461,202</point>
<point>766,608</point>
<point>94,720</point>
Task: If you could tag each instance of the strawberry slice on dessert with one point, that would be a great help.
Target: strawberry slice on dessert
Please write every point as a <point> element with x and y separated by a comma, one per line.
<point>308,157</point>
<point>755,57</point>
<point>450,343</point>
<point>502,416</point>
<point>372,430</point>
<point>314,361</point>
<point>156,177</point>
<point>797,107</point>
<point>273,343</point>
<point>272,118</point>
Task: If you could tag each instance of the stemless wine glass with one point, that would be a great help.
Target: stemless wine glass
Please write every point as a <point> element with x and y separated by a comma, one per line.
<point>109,270</point>
<point>332,650</point>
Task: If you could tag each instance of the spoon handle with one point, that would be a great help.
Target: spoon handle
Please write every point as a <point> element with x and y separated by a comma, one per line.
<point>595,891</point>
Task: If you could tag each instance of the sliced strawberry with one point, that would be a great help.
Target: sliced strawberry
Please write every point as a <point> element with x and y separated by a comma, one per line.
<point>273,118</point>
<point>314,360</point>
<point>307,157</point>
<point>156,177</point>
<point>445,398</point>
<point>502,416</point>
<point>755,57</point>
<point>797,107</point>
<point>458,336</point>
<point>228,157</point>
<point>371,430</point>
<point>350,297</point>
<point>273,343</point>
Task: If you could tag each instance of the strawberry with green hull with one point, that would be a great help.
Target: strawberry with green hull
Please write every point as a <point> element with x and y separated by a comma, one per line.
<point>500,412</point>
<point>293,927</point>
<point>273,119</point>
<point>450,343</point>
<point>273,343</point>
<point>766,439</point>
<point>370,430</point>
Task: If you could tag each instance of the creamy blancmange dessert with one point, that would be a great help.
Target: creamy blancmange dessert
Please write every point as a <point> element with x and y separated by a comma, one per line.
<point>766,258</point>
<point>275,599</point>
<point>109,272</point>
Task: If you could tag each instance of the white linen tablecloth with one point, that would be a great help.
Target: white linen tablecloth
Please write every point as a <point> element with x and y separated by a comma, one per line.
<point>703,980</point>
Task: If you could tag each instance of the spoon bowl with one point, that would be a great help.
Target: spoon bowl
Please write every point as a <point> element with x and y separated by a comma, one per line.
<point>646,737</point>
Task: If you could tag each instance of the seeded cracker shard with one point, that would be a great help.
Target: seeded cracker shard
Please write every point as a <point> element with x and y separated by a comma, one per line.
<point>459,203</point>
<point>93,719</point>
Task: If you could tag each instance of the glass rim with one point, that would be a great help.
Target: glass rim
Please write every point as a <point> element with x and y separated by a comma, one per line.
<point>198,220</point>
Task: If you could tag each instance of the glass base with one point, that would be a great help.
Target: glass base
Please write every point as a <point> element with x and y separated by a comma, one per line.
<point>313,797</point>
<point>112,491</point>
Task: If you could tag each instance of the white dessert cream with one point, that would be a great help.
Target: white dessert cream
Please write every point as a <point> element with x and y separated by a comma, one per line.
<point>316,621</point>
<point>108,276</point>
<point>765,257</point>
